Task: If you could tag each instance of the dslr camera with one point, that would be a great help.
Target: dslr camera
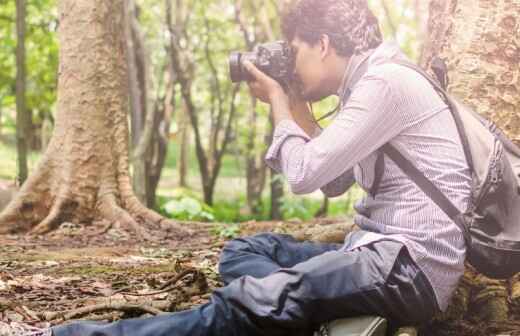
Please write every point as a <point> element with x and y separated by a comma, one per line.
<point>272,58</point>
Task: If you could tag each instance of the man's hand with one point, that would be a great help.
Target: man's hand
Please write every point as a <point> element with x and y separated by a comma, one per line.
<point>264,87</point>
<point>269,91</point>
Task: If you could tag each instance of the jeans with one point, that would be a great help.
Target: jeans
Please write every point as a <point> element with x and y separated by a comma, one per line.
<point>278,286</point>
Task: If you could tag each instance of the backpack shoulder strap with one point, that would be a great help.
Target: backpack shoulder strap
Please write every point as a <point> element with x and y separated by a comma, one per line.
<point>451,105</point>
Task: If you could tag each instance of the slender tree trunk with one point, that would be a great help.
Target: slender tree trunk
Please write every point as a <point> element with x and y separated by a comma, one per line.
<point>83,175</point>
<point>276,195</point>
<point>255,166</point>
<point>184,145</point>
<point>479,40</point>
<point>138,74</point>
<point>21,110</point>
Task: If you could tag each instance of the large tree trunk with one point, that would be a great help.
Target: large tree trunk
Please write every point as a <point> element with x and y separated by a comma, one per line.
<point>22,126</point>
<point>480,42</point>
<point>83,175</point>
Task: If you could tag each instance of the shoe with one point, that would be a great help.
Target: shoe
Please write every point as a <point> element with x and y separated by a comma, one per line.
<point>355,326</point>
<point>22,329</point>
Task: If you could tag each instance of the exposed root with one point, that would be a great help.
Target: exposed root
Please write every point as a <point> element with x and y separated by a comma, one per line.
<point>154,308</point>
<point>52,220</point>
<point>149,216</point>
<point>110,211</point>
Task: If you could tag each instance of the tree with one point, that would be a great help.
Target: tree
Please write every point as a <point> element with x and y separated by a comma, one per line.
<point>150,116</point>
<point>255,150</point>
<point>83,175</point>
<point>479,42</point>
<point>21,111</point>
<point>222,100</point>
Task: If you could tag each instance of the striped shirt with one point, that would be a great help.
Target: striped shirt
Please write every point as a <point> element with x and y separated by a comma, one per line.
<point>389,103</point>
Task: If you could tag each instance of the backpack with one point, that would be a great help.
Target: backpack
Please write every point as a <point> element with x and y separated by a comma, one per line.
<point>491,224</point>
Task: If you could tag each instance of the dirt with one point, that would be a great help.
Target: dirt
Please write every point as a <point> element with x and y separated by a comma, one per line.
<point>45,280</point>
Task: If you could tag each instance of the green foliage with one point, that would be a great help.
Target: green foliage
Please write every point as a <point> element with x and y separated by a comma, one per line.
<point>298,208</point>
<point>226,230</point>
<point>41,59</point>
<point>184,206</point>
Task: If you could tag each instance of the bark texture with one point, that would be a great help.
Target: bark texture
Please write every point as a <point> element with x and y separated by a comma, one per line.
<point>83,175</point>
<point>480,41</point>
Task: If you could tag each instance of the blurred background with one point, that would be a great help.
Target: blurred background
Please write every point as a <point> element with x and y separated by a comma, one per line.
<point>205,161</point>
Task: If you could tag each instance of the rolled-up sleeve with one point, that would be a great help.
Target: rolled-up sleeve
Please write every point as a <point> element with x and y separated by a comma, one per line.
<point>369,119</point>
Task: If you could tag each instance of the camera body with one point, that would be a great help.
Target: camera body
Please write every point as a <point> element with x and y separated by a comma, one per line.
<point>272,58</point>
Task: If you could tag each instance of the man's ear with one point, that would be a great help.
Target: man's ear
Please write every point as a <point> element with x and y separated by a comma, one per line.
<point>324,46</point>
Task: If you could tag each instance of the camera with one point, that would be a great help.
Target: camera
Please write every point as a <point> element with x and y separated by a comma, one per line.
<point>272,58</point>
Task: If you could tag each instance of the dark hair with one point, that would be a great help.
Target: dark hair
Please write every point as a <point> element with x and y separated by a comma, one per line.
<point>350,25</point>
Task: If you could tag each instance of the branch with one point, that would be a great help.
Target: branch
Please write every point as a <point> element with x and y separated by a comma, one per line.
<point>111,305</point>
<point>389,18</point>
<point>238,19</point>
<point>216,84</point>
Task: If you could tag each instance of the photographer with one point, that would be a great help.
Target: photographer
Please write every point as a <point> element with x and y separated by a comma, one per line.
<point>405,261</point>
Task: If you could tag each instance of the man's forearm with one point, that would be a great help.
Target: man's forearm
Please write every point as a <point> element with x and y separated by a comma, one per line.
<point>297,111</point>
<point>280,109</point>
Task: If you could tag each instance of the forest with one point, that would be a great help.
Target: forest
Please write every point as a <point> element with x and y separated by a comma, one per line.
<point>130,158</point>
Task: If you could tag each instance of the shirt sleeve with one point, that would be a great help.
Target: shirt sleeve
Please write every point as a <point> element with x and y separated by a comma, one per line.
<point>371,117</point>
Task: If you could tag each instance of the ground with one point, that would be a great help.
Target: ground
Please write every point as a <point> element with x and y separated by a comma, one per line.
<point>99,272</point>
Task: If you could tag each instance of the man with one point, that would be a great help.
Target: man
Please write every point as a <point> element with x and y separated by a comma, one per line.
<point>406,260</point>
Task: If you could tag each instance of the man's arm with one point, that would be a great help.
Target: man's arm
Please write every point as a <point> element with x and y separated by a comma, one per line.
<point>371,117</point>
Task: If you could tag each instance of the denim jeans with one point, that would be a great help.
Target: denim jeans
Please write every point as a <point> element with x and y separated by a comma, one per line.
<point>278,286</point>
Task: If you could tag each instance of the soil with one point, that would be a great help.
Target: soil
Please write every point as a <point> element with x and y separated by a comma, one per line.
<point>50,279</point>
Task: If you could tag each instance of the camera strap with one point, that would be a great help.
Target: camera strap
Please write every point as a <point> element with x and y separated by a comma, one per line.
<point>358,72</point>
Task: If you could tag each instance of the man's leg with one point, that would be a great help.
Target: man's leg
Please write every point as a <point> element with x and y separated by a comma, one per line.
<point>380,279</point>
<point>265,253</point>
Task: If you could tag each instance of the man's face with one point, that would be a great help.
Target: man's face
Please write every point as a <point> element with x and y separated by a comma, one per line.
<point>309,71</point>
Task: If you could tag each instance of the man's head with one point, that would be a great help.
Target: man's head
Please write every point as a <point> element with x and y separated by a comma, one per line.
<point>324,34</point>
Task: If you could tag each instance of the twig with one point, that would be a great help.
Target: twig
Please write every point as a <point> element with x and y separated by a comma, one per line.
<point>164,288</point>
<point>178,277</point>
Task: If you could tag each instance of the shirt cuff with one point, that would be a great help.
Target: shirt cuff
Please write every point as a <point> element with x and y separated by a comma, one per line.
<point>285,130</point>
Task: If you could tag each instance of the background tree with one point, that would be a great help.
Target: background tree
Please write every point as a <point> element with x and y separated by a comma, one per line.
<point>222,101</point>
<point>21,112</point>
<point>84,175</point>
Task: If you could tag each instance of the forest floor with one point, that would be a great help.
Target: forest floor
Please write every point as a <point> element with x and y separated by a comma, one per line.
<point>81,272</point>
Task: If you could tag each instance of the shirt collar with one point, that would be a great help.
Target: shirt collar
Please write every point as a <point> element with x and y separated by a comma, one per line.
<point>384,50</point>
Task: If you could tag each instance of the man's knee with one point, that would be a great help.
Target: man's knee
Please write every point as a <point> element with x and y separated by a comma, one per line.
<point>278,298</point>
<point>253,244</point>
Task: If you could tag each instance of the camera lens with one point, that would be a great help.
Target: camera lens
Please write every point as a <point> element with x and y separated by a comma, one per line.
<point>235,68</point>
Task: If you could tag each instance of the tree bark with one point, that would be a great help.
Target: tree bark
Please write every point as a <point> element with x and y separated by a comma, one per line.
<point>83,175</point>
<point>22,128</point>
<point>480,42</point>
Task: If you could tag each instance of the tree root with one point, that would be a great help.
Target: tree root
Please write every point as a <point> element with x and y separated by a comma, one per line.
<point>112,212</point>
<point>149,216</point>
<point>52,221</point>
<point>153,307</point>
